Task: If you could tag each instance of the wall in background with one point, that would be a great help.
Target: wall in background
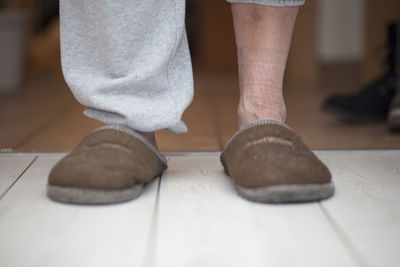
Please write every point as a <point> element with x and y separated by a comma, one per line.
<point>378,15</point>
<point>340,30</point>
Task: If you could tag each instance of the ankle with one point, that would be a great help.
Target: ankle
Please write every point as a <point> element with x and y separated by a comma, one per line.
<point>245,119</point>
<point>149,136</point>
<point>267,110</point>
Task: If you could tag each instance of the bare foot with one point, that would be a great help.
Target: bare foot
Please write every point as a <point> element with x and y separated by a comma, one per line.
<point>258,102</point>
<point>149,136</point>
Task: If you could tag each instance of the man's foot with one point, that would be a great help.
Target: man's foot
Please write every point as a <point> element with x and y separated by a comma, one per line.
<point>110,165</point>
<point>268,162</point>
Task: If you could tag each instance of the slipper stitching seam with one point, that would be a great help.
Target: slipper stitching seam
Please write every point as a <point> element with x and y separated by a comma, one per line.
<point>137,136</point>
<point>268,139</point>
<point>253,124</point>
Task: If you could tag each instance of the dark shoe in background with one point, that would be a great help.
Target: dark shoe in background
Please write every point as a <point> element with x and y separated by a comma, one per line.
<point>373,102</point>
<point>394,114</point>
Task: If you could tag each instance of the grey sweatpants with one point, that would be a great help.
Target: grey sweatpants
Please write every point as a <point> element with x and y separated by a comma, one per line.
<point>128,61</point>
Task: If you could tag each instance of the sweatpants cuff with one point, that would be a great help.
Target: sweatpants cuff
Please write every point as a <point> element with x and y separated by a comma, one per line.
<point>270,2</point>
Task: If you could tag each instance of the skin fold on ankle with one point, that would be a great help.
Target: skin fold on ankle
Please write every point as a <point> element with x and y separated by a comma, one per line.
<point>261,75</point>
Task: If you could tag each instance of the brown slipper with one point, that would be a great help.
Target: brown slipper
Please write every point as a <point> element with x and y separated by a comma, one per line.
<point>110,165</point>
<point>268,162</point>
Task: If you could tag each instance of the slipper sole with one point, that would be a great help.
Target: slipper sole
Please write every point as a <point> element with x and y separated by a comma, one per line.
<point>287,193</point>
<point>92,196</point>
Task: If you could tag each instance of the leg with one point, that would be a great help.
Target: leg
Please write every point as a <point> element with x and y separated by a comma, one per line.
<point>267,161</point>
<point>263,36</point>
<point>128,62</point>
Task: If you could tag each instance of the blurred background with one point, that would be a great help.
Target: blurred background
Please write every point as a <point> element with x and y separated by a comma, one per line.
<point>343,53</point>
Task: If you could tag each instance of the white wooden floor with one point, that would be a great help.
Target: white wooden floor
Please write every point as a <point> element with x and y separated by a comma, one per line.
<point>193,217</point>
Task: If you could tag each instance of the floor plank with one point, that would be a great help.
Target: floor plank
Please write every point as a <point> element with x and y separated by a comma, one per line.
<point>198,220</point>
<point>366,205</point>
<point>64,133</point>
<point>201,135</point>
<point>202,222</point>
<point>222,92</point>
<point>38,232</point>
<point>70,126</point>
<point>303,103</point>
<point>28,112</point>
<point>11,167</point>
<point>44,116</point>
